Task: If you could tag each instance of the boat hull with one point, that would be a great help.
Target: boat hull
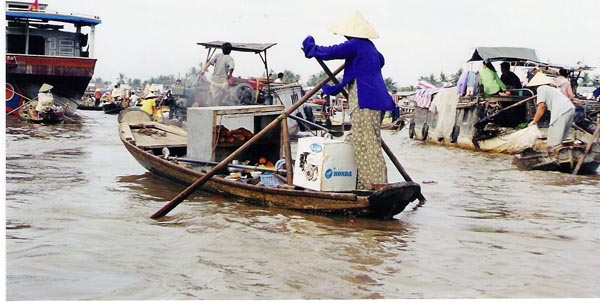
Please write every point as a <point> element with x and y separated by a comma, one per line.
<point>564,159</point>
<point>25,74</point>
<point>385,203</point>
<point>112,108</point>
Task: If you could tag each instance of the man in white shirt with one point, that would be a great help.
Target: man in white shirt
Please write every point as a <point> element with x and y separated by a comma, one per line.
<point>223,71</point>
<point>116,93</point>
<point>134,99</point>
<point>562,110</point>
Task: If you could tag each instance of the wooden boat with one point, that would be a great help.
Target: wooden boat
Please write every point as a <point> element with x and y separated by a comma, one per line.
<point>112,108</point>
<point>147,140</point>
<point>563,158</point>
<point>89,107</point>
<point>45,46</point>
<point>29,114</point>
<point>483,122</point>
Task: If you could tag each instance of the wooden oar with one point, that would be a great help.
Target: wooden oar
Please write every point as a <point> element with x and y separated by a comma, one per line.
<point>588,147</point>
<point>190,189</point>
<point>486,119</point>
<point>385,147</point>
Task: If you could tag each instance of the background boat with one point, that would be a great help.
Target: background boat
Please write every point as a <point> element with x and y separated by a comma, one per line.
<point>47,47</point>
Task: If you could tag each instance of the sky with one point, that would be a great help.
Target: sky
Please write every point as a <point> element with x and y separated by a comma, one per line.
<point>148,38</point>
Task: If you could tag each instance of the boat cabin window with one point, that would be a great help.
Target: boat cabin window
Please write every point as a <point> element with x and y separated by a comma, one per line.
<point>15,44</point>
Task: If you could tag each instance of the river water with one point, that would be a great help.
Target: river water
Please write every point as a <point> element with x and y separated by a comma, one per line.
<point>78,228</point>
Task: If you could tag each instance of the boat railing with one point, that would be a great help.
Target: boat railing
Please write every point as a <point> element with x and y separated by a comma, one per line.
<point>521,92</point>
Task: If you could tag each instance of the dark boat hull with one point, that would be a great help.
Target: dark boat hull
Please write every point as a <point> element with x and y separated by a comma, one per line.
<point>563,159</point>
<point>25,74</point>
<point>85,107</point>
<point>112,108</point>
<point>385,203</point>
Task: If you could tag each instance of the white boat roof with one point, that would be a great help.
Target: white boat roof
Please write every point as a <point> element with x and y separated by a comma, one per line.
<point>504,54</point>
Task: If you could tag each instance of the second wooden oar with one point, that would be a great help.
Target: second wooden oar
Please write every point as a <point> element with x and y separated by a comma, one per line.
<point>385,147</point>
<point>588,147</point>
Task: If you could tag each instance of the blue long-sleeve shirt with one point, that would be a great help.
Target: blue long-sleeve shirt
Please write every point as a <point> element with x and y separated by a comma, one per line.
<point>363,63</point>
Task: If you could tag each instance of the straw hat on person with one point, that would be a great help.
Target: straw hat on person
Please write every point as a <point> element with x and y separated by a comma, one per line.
<point>150,96</point>
<point>45,88</point>
<point>540,79</point>
<point>355,26</point>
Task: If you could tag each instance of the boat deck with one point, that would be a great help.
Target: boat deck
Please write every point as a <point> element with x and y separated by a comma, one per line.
<point>150,135</point>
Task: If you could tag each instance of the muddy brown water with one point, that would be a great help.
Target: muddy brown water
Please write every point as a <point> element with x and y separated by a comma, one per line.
<point>78,228</point>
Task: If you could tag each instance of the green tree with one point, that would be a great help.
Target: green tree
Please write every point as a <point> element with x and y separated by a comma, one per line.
<point>409,88</point>
<point>121,78</point>
<point>390,84</point>
<point>431,79</point>
<point>136,83</point>
<point>443,78</point>
<point>456,76</point>
<point>290,77</point>
<point>313,80</point>
<point>585,80</point>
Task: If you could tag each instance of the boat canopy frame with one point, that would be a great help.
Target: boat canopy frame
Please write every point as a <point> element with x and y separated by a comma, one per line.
<point>520,56</point>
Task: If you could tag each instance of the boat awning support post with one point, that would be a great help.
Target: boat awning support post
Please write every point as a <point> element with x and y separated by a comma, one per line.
<point>190,189</point>
<point>27,37</point>
<point>385,147</point>
<point>264,60</point>
<point>91,41</point>
<point>287,150</point>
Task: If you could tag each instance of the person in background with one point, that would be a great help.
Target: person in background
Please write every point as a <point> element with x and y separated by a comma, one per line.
<point>45,103</point>
<point>149,103</point>
<point>279,78</point>
<point>488,78</point>
<point>396,111</point>
<point>510,79</point>
<point>596,94</point>
<point>531,73</point>
<point>97,97</point>
<point>116,95</point>
<point>223,70</point>
<point>134,99</point>
<point>368,94</point>
<point>562,110</point>
<point>563,84</point>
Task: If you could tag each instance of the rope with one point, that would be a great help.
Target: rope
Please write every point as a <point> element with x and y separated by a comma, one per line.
<point>30,100</point>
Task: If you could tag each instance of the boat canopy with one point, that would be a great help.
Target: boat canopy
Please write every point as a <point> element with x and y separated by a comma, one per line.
<point>45,17</point>
<point>504,54</point>
<point>240,47</point>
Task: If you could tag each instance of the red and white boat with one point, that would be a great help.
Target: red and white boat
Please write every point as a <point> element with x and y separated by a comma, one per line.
<point>47,47</point>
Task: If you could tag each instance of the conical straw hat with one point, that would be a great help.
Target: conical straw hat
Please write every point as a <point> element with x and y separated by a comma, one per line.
<point>355,26</point>
<point>45,87</point>
<point>539,79</point>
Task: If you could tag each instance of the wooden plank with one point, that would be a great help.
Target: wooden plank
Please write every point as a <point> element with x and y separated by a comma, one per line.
<point>145,137</point>
<point>126,133</point>
<point>169,128</point>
